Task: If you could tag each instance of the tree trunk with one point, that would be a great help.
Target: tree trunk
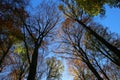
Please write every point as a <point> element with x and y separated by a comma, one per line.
<point>102,40</point>
<point>93,70</point>
<point>33,65</point>
<point>90,66</point>
<point>4,55</point>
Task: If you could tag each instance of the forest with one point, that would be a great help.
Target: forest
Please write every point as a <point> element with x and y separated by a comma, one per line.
<point>43,40</point>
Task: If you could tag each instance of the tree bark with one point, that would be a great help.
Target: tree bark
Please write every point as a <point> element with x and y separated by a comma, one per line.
<point>33,65</point>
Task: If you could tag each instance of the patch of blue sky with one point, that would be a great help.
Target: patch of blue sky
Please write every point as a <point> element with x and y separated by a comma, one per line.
<point>111,19</point>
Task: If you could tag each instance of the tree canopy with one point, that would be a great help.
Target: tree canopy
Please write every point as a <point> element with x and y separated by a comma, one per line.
<point>94,7</point>
<point>34,43</point>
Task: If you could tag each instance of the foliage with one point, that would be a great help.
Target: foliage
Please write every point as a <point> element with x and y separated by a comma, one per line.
<point>20,50</point>
<point>11,13</point>
<point>79,70</point>
<point>79,45</point>
<point>25,39</point>
<point>55,68</point>
<point>92,7</point>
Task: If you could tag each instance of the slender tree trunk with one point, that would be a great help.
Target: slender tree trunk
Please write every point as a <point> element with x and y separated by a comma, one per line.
<point>90,66</point>
<point>4,55</point>
<point>93,70</point>
<point>101,70</point>
<point>102,40</point>
<point>112,59</point>
<point>33,65</point>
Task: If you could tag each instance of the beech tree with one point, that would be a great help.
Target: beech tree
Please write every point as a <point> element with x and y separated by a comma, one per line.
<point>91,50</point>
<point>73,44</point>
<point>40,27</point>
<point>73,11</point>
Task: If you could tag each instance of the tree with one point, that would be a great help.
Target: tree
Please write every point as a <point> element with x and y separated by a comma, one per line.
<point>79,70</point>
<point>39,27</point>
<point>73,44</point>
<point>10,14</point>
<point>54,69</point>
<point>93,44</point>
<point>73,11</point>
<point>71,39</point>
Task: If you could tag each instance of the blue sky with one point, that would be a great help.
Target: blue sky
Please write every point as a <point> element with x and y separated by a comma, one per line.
<point>111,19</point>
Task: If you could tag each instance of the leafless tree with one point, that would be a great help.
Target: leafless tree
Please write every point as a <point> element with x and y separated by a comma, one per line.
<point>39,27</point>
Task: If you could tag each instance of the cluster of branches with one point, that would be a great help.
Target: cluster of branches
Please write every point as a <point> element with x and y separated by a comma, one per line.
<point>91,50</point>
<point>24,39</point>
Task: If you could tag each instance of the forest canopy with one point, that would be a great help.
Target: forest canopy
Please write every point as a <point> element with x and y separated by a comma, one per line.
<point>36,39</point>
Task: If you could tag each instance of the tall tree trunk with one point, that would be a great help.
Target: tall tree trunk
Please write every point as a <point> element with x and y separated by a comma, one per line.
<point>90,66</point>
<point>33,65</point>
<point>87,62</point>
<point>102,40</point>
